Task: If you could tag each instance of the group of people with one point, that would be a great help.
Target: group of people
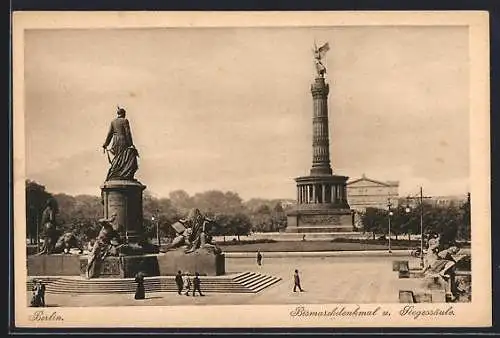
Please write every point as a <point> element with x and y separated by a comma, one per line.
<point>38,294</point>
<point>185,283</point>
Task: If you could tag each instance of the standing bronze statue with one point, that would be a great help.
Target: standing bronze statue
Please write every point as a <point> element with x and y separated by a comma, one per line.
<point>124,162</point>
<point>49,227</point>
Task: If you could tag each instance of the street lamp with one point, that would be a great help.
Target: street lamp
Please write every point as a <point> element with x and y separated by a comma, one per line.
<point>421,200</point>
<point>153,219</point>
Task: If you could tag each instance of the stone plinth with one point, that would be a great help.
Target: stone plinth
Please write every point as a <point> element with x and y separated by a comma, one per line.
<point>123,267</point>
<point>123,198</point>
<point>321,205</point>
<point>320,219</point>
<point>53,265</point>
<point>201,261</point>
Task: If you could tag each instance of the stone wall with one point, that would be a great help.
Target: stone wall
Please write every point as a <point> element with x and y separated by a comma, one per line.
<point>53,265</point>
<point>205,263</point>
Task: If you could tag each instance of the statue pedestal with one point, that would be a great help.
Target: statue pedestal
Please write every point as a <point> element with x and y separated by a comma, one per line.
<point>53,265</point>
<point>123,198</point>
<point>321,204</point>
<point>123,267</point>
<point>204,262</point>
<point>164,264</point>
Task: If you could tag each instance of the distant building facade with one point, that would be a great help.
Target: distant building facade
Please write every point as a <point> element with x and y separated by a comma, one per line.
<point>437,201</point>
<point>365,193</point>
<point>287,204</point>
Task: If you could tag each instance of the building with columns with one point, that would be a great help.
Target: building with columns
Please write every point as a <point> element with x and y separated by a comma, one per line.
<point>322,204</point>
<point>366,192</point>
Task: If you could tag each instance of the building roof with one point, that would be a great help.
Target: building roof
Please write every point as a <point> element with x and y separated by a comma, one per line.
<point>364,178</point>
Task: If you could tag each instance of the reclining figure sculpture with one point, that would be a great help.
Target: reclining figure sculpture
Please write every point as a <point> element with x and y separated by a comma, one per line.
<point>107,243</point>
<point>193,233</point>
<point>440,266</point>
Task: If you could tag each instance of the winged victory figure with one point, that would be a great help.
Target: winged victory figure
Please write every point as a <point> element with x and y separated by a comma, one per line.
<point>319,54</point>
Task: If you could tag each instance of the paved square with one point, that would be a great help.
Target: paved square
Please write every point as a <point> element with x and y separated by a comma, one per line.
<point>351,280</point>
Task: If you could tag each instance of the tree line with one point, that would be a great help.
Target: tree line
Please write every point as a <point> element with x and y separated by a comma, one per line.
<point>234,217</point>
<point>452,222</point>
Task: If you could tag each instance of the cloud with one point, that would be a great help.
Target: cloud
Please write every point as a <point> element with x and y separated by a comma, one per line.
<point>232,108</point>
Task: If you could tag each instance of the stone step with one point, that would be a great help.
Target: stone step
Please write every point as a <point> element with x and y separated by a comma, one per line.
<point>242,276</point>
<point>317,230</point>
<point>247,282</point>
<point>256,280</point>
<point>249,277</point>
<point>267,284</point>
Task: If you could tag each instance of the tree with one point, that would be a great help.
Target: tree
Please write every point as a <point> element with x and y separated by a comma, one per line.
<point>375,221</point>
<point>181,200</point>
<point>215,202</point>
<point>261,219</point>
<point>79,214</point>
<point>36,198</point>
<point>464,227</point>
<point>233,225</point>
<point>165,214</point>
<point>278,219</point>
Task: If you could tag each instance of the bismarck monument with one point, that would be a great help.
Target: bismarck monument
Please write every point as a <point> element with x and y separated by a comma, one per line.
<point>322,196</point>
<point>121,249</point>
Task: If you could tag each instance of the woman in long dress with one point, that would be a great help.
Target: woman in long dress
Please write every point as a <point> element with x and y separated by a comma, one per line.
<point>140,292</point>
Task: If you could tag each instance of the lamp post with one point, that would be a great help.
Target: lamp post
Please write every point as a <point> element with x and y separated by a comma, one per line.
<point>37,231</point>
<point>421,229</point>
<point>389,204</point>
<point>153,219</point>
<point>421,203</point>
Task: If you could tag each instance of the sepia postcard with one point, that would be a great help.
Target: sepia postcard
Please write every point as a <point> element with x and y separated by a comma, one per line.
<point>251,169</point>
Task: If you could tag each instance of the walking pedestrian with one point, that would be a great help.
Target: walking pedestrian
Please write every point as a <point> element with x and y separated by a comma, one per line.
<point>41,286</point>
<point>196,284</point>
<point>296,281</point>
<point>179,282</point>
<point>139,292</point>
<point>187,283</point>
<point>35,294</point>
<point>259,258</point>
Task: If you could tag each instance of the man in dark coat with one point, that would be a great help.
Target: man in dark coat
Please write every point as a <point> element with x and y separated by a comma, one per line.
<point>296,281</point>
<point>196,284</point>
<point>41,286</point>
<point>179,282</point>
<point>259,258</point>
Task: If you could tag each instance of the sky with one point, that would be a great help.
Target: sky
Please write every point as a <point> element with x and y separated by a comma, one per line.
<point>231,109</point>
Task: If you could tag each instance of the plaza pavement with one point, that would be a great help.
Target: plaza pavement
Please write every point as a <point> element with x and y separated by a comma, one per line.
<point>325,280</point>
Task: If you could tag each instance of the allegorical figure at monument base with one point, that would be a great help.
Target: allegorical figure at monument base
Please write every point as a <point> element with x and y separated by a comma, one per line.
<point>49,229</point>
<point>124,162</point>
<point>107,243</point>
<point>193,233</point>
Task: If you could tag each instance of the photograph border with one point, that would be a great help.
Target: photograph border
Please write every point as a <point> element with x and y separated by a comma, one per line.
<point>480,164</point>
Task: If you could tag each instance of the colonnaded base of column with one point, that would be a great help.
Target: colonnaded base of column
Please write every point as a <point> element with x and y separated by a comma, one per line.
<point>320,221</point>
